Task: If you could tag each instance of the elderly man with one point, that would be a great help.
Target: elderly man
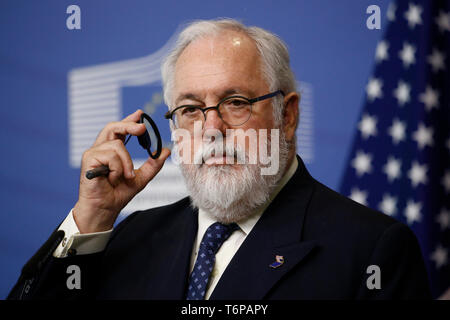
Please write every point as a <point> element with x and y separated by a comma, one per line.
<point>241,234</point>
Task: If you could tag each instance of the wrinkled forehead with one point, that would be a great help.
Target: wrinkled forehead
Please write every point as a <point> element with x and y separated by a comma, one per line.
<point>227,41</point>
<point>219,59</point>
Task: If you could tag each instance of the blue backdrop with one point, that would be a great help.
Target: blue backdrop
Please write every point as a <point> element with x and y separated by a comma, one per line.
<point>45,112</point>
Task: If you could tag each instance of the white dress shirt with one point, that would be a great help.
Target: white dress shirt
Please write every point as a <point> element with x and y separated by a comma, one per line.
<point>95,242</point>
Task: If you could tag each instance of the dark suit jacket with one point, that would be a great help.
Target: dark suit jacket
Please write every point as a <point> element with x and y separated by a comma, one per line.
<point>327,241</point>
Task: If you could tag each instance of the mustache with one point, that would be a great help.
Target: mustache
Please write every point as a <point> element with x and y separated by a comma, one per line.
<point>210,150</point>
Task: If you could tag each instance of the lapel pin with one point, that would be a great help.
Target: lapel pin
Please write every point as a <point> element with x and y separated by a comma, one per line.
<point>279,260</point>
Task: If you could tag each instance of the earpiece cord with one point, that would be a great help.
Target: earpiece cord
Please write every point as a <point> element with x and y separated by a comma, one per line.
<point>127,139</point>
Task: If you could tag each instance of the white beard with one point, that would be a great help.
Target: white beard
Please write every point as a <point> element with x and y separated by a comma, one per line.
<point>231,193</point>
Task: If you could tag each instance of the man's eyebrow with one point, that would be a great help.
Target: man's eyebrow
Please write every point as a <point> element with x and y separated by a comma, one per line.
<point>187,96</point>
<point>233,91</point>
<point>223,94</point>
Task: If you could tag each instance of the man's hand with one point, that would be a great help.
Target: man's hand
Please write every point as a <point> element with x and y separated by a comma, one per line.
<point>101,199</point>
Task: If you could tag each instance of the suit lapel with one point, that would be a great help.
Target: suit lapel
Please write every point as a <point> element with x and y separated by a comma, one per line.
<point>278,232</point>
<point>172,283</point>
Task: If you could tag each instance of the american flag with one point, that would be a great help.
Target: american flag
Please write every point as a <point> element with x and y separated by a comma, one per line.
<point>400,159</point>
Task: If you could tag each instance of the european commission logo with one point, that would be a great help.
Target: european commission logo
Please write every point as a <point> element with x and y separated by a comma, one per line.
<point>107,92</point>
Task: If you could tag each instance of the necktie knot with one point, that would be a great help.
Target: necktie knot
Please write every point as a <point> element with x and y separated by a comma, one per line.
<point>216,235</point>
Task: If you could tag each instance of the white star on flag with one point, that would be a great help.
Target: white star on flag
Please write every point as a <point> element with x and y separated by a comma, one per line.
<point>436,59</point>
<point>368,126</point>
<point>391,11</point>
<point>362,163</point>
<point>388,205</point>
<point>413,15</point>
<point>397,131</point>
<point>381,52</point>
<point>423,136</point>
<point>443,21</point>
<point>407,54</point>
<point>359,196</point>
<point>392,168</point>
<point>417,174</point>
<point>402,93</point>
<point>439,256</point>
<point>446,181</point>
<point>443,219</point>
<point>373,89</point>
<point>430,98</point>
<point>412,212</point>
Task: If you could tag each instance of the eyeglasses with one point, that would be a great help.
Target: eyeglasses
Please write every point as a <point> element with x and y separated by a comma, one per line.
<point>234,111</point>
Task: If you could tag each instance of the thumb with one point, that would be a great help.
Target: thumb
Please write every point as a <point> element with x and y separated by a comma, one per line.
<point>150,168</point>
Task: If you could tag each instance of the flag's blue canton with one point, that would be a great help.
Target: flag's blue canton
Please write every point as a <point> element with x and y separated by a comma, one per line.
<point>400,160</point>
<point>212,240</point>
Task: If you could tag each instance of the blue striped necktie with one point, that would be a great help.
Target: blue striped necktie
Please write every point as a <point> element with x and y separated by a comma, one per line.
<point>212,240</point>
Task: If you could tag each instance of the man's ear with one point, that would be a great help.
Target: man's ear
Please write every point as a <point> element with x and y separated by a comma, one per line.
<point>290,115</point>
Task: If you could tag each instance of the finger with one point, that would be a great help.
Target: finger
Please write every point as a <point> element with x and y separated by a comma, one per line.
<point>118,146</point>
<point>150,168</point>
<point>118,130</point>
<point>134,117</point>
<point>111,159</point>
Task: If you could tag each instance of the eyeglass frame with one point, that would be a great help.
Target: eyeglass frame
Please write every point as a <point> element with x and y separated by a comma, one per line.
<point>169,114</point>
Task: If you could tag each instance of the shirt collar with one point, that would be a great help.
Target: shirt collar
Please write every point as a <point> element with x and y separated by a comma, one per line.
<point>246,225</point>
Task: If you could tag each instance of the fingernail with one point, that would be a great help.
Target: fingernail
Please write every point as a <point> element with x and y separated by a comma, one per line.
<point>133,175</point>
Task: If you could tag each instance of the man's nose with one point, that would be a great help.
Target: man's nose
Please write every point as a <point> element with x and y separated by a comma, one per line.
<point>213,120</point>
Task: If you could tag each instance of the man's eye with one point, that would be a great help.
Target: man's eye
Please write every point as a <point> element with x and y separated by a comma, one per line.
<point>237,103</point>
<point>190,110</point>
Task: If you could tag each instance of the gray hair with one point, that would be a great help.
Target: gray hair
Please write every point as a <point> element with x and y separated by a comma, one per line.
<point>274,54</point>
